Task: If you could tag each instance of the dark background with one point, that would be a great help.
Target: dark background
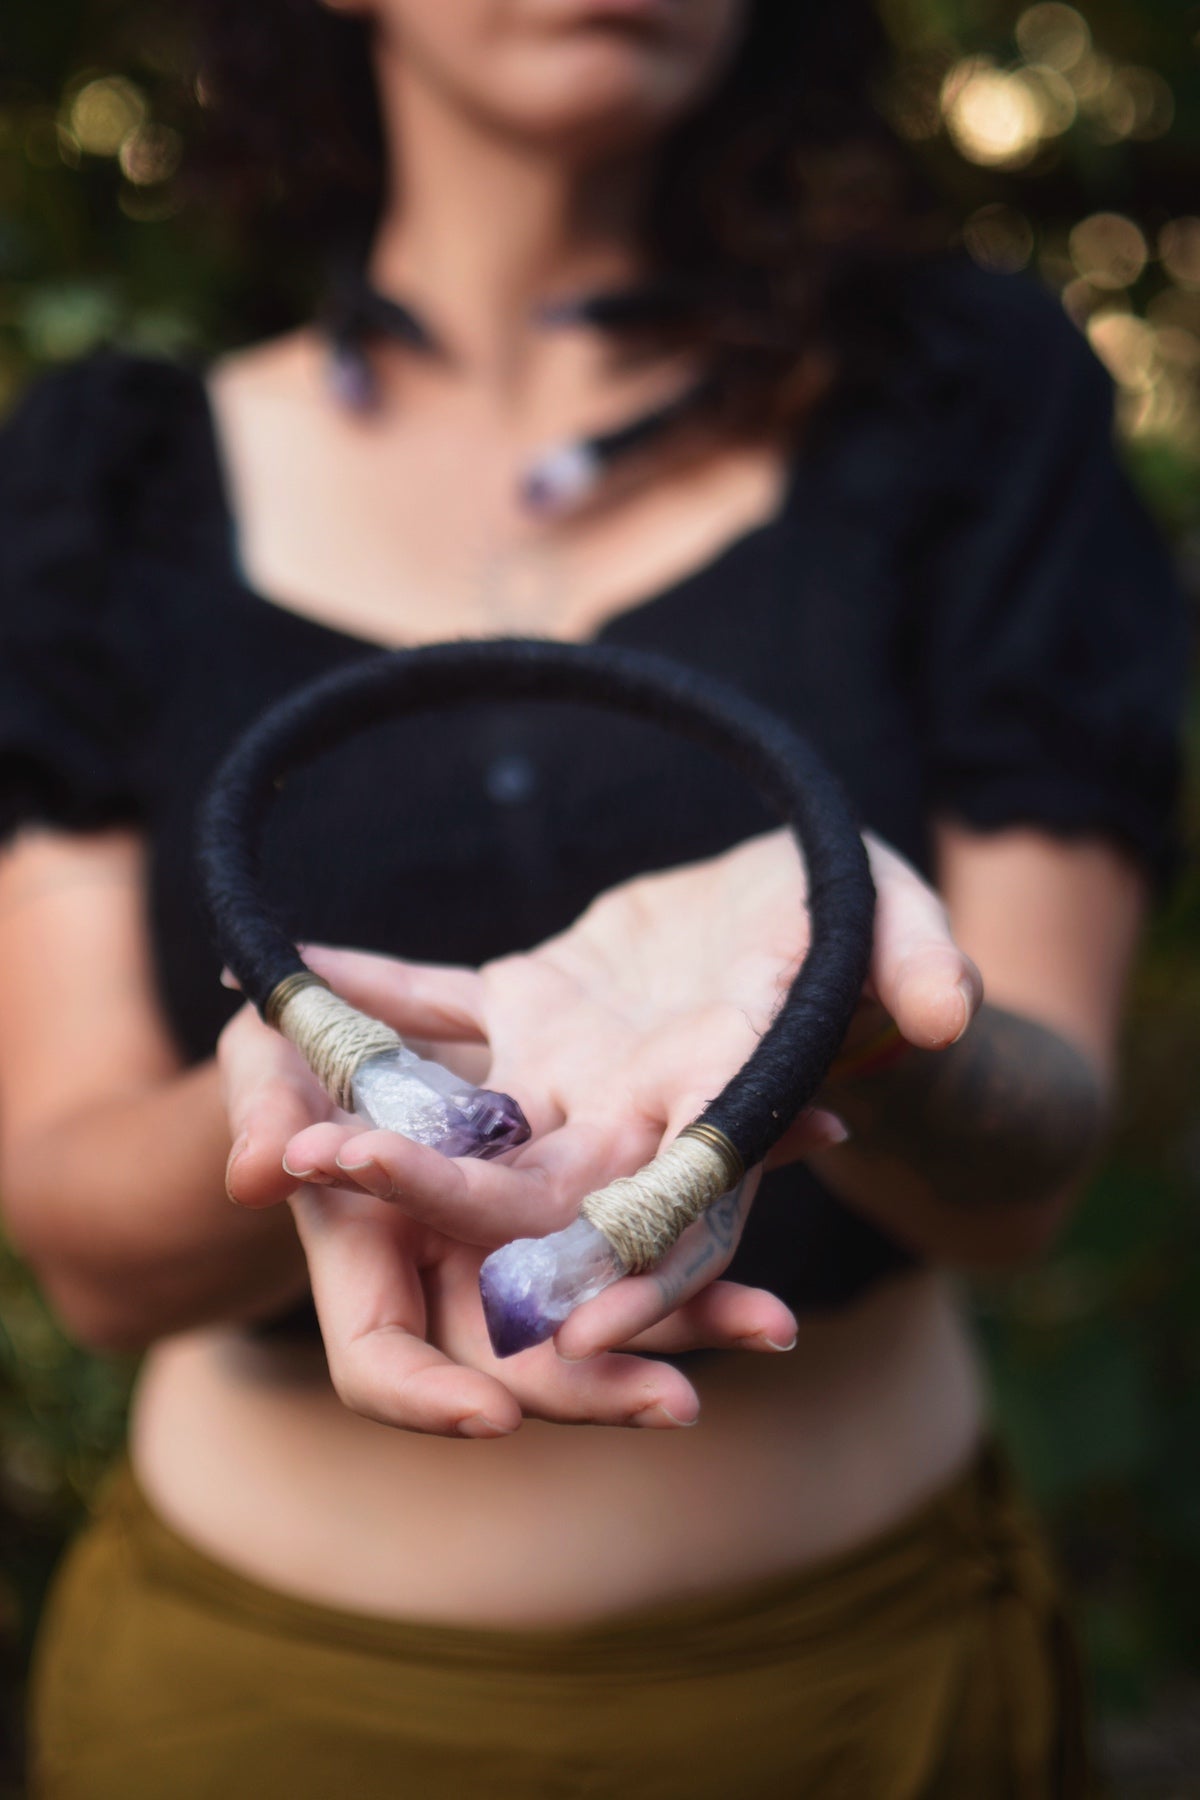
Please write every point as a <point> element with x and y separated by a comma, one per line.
<point>1067,142</point>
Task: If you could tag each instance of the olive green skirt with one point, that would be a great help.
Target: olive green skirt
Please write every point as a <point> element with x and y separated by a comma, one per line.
<point>932,1662</point>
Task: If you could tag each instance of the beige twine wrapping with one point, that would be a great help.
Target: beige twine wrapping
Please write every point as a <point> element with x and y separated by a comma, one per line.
<point>643,1215</point>
<point>332,1036</point>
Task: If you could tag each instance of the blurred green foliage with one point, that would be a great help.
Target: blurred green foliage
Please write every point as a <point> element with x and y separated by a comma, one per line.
<point>1041,126</point>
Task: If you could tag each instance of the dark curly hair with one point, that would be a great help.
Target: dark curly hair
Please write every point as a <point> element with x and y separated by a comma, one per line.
<point>784,206</point>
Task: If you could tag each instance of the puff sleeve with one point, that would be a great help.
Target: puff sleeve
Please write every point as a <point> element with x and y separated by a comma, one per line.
<point>70,691</point>
<point>1051,644</point>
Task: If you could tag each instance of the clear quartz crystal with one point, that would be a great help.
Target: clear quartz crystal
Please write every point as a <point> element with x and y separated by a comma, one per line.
<point>532,1285</point>
<point>399,1091</point>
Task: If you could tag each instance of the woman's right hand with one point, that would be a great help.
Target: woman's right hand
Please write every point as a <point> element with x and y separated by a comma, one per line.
<point>398,1301</point>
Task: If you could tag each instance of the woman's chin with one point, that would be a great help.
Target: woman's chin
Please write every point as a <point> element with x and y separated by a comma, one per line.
<point>597,117</point>
<point>595,91</point>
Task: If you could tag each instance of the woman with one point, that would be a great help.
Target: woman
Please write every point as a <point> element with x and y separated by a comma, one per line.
<point>892,514</point>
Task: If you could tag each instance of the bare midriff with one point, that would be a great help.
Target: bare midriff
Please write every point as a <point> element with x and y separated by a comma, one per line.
<point>244,1449</point>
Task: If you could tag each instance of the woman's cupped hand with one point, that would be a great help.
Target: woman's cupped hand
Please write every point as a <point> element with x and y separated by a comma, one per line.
<point>612,1036</point>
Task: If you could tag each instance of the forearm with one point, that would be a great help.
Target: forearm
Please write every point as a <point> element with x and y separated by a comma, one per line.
<point>970,1153</point>
<point>122,1211</point>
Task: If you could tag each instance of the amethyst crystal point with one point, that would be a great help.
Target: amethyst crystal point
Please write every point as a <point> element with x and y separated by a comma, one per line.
<point>531,1286</point>
<point>561,477</point>
<point>399,1091</point>
<point>351,378</point>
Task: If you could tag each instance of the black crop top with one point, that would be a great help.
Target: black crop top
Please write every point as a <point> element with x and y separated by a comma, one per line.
<point>960,601</point>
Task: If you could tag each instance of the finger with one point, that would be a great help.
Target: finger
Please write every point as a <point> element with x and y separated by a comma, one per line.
<point>269,1095</point>
<point>640,1302</point>
<point>270,1116</point>
<point>608,1390</point>
<point>371,1311</point>
<point>588,1153</point>
<point>725,1316</point>
<point>815,1129</point>
<point>470,1201</point>
<point>429,1000</point>
<point>535,1192</point>
<point>930,987</point>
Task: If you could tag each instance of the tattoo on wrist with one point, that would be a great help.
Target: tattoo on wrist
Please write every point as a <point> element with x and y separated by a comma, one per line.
<point>1011,1113</point>
<point>718,1231</point>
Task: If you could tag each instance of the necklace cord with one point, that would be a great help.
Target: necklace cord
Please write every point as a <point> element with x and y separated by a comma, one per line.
<point>563,475</point>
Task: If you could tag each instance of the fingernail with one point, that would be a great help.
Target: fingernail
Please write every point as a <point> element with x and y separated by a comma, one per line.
<point>830,1130</point>
<point>967,992</point>
<point>657,1418</point>
<point>760,1341</point>
<point>477,1426</point>
<point>298,1174</point>
<point>369,1175</point>
<point>238,1150</point>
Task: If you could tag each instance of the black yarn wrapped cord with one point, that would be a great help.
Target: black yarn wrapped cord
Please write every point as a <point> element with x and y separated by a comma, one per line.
<point>789,1062</point>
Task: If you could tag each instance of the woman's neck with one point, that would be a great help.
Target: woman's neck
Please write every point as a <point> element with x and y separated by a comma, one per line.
<point>480,227</point>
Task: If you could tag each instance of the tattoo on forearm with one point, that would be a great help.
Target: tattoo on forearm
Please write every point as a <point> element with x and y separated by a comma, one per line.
<point>1009,1114</point>
<point>717,1235</point>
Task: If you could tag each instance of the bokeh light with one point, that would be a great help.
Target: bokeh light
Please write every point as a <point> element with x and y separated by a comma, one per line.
<point>1055,35</point>
<point>1176,306</point>
<point>1109,250</point>
<point>1156,411</point>
<point>1131,103</point>
<point>149,154</point>
<point>1179,249</point>
<point>1089,78</point>
<point>147,205</point>
<point>992,114</point>
<point>1178,346</point>
<point>1082,301</point>
<point>69,150</point>
<point>999,237</point>
<point>1127,347</point>
<point>914,97</point>
<point>1009,116</point>
<point>1054,96</point>
<point>104,112</point>
<point>1153,102</point>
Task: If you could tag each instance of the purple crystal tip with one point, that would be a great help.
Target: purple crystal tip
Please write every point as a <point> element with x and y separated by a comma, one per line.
<point>491,1124</point>
<point>513,1327</point>
<point>562,477</point>
<point>537,493</point>
<point>400,1091</point>
<point>532,1286</point>
<point>351,378</point>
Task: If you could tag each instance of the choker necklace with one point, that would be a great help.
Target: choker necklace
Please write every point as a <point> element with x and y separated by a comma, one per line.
<point>564,475</point>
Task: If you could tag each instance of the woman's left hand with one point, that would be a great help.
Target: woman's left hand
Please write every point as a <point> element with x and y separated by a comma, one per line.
<point>613,1036</point>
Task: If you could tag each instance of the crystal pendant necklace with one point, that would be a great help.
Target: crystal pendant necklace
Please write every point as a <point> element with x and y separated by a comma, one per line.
<point>564,475</point>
